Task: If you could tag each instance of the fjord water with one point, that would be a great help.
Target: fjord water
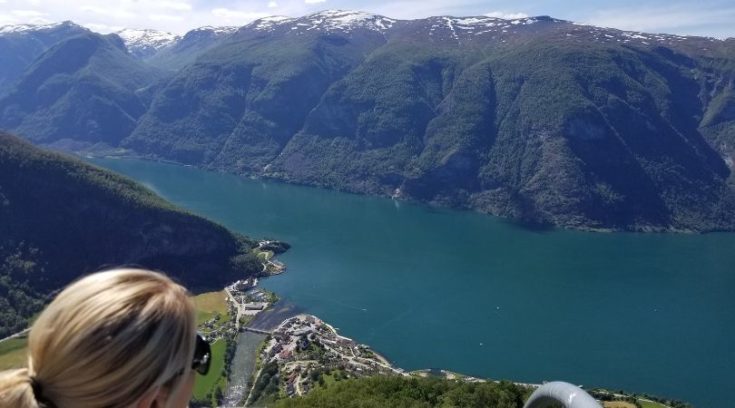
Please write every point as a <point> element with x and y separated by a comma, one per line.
<point>475,294</point>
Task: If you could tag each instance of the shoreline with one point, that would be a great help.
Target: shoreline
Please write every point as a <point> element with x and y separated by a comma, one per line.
<point>265,324</point>
<point>602,394</point>
<point>474,368</point>
<point>388,195</point>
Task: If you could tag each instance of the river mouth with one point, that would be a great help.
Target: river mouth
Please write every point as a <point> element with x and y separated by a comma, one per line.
<point>243,364</point>
<point>269,319</point>
<point>473,294</point>
<point>242,368</point>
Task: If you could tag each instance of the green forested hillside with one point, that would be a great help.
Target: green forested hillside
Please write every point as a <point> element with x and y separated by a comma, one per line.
<point>535,119</point>
<point>84,89</point>
<point>243,101</point>
<point>572,131</point>
<point>186,50</point>
<point>18,49</point>
<point>61,218</point>
<point>381,392</point>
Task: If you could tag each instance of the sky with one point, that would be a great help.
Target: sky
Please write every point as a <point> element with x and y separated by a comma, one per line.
<point>713,18</point>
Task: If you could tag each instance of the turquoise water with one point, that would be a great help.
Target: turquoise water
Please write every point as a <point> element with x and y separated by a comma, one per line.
<point>433,288</point>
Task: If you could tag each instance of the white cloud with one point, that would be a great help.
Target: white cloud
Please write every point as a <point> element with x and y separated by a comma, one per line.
<point>21,12</point>
<point>103,28</point>
<point>677,19</point>
<point>410,9</point>
<point>175,5</point>
<point>27,13</point>
<point>179,16</point>
<point>23,16</point>
<point>237,16</point>
<point>164,17</point>
<point>176,16</point>
<point>170,15</point>
<point>112,12</point>
<point>505,15</point>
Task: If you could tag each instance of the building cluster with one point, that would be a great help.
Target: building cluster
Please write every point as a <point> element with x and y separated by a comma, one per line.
<point>249,299</point>
<point>306,349</point>
<point>220,325</point>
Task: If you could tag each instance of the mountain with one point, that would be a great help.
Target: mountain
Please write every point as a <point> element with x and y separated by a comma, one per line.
<point>536,119</point>
<point>61,218</point>
<point>21,44</point>
<point>87,89</point>
<point>143,44</point>
<point>245,99</point>
<point>188,48</point>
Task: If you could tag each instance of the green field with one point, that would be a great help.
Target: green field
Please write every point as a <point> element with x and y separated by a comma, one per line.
<point>265,255</point>
<point>618,404</point>
<point>209,305</point>
<point>214,379</point>
<point>651,404</point>
<point>331,378</point>
<point>13,354</point>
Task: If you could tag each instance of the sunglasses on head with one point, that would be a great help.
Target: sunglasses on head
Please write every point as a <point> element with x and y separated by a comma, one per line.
<point>202,356</point>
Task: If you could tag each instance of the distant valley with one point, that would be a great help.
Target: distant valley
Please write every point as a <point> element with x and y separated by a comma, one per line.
<point>536,119</point>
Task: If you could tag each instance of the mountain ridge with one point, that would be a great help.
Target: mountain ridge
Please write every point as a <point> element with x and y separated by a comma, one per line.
<point>156,39</point>
<point>339,13</point>
<point>90,67</point>
<point>146,42</point>
<point>535,119</point>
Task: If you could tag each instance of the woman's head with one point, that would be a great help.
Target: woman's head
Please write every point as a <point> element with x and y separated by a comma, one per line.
<point>121,338</point>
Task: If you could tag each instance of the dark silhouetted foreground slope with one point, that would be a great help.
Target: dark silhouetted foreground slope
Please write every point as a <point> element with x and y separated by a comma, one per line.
<point>61,218</point>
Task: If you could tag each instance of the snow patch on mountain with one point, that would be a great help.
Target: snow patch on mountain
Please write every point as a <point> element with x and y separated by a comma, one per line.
<point>219,31</point>
<point>147,39</point>
<point>341,20</point>
<point>612,35</point>
<point>269,23</point>
<point>20,28</point>
<point>459,28</point>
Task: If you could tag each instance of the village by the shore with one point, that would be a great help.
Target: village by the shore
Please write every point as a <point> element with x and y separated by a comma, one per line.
<point>306,349</point>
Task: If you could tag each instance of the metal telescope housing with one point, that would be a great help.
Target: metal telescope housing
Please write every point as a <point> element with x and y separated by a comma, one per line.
<point>570,396</point>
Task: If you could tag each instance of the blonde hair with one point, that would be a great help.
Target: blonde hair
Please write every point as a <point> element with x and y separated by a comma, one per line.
<point>105,341</point>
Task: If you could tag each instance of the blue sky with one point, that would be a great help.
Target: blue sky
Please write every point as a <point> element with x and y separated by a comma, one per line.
<point>714,18</point>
